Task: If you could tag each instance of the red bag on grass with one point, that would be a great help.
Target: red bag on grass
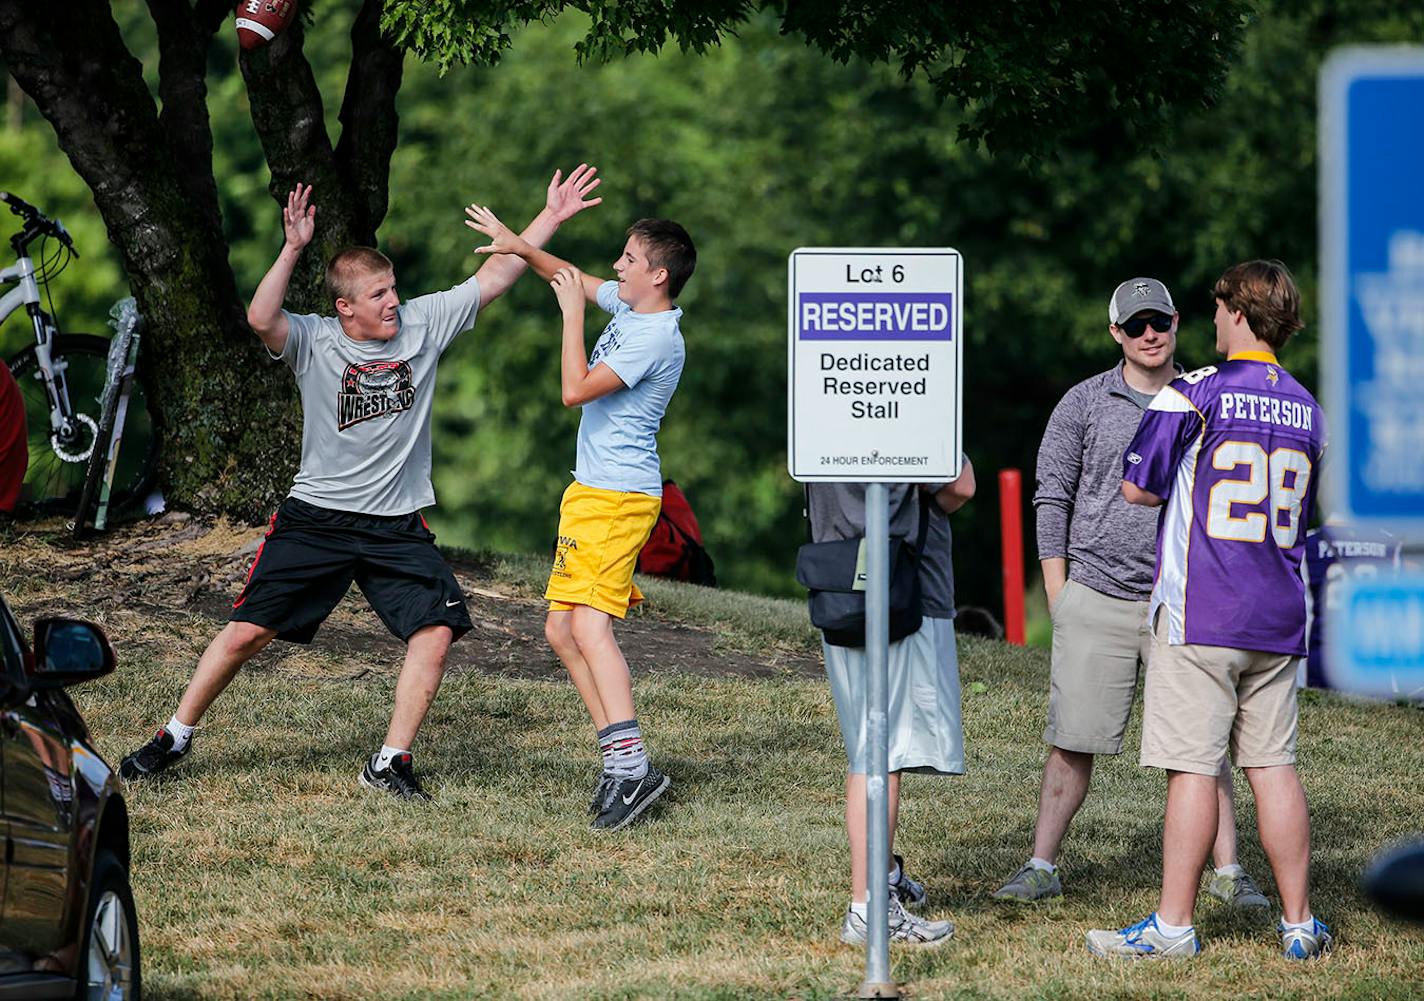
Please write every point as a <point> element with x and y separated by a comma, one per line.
<point>675,547</point>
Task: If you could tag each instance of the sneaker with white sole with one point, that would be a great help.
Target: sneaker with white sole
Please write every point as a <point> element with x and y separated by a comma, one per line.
<point>1143,940</point>
<point>905,928</point>
<point>397,778</point>
<point>912,893</point>
<point>155,756</point>
<point>1305,943</point>
<point>1240,892</point>
<point>629,799</point>
<point>1031,883</point>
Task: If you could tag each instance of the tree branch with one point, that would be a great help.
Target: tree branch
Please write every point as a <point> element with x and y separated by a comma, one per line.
<point>368,115</point>
<point>183,88</point>
<point>70,58</point>
<point>209,15</point>
<point>290,121</point>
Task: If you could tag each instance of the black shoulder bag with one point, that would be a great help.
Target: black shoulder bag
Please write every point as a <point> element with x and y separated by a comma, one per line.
<point>835,577</point>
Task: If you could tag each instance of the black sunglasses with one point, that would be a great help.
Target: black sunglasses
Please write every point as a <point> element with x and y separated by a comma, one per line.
<point>1137,326</point>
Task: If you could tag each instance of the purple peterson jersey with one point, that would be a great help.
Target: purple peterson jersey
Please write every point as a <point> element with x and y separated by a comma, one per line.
<point>1233,448</point>
<point>1334,552</point>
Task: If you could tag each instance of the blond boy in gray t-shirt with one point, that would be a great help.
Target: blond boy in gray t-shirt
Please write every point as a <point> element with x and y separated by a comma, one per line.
<point>367,379</point>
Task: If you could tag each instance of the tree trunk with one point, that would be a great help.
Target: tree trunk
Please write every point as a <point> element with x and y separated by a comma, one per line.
<point>228,414</point>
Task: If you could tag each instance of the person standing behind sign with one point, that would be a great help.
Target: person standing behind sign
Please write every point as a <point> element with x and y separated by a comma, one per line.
<point>1232,449</point>
<point>1097,554</point>
<point>923,714</point>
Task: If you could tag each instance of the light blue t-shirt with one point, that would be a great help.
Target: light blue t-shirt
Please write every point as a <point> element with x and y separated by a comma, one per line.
<point>617,437</point>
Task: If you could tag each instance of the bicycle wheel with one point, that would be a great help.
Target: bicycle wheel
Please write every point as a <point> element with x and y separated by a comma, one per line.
<point>55,477</point>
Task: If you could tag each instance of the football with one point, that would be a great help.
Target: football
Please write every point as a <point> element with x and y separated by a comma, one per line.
<point>260,21</point>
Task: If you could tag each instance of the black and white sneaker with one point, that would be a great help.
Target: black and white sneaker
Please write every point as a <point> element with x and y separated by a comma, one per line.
<point>601,792</point>
<point>397,778</point>
<point>629,798</point>
<point>153,757</point>
<point>912,893</point>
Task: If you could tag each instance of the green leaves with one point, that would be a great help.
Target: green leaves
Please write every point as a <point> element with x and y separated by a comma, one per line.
<point>1031,78</point>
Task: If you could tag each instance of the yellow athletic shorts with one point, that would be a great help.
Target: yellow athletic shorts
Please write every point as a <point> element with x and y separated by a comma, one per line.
<point>601,533</point>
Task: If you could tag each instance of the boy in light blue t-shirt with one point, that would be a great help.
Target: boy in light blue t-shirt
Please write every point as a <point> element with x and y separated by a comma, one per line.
<point>609,510</point>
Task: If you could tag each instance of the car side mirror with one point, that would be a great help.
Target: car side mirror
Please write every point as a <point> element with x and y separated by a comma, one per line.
<point>68,651</point>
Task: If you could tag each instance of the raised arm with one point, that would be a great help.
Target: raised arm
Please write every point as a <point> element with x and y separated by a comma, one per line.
<point>264,312</point>
<point>564,200</point>
<point>578,384</point>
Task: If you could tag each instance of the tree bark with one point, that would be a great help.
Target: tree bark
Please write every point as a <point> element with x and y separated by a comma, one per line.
<point>228,416</point>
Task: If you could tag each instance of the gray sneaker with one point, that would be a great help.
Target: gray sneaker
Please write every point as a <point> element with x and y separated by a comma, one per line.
<point>1142,941</point>
<point>905,927</point>
<point>1240,892</point>
<point>1030,883</point>
<point>912,892</point>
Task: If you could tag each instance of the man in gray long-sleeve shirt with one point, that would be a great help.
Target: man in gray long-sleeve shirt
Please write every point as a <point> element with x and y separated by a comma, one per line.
<point>1098,555</point>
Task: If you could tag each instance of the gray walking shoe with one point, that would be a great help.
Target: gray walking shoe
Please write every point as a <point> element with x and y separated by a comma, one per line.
<point>1031,883</point>
<point>1240,892</point>
<point>905,928</point>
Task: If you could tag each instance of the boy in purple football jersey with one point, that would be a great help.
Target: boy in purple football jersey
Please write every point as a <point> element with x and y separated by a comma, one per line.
<point>1232,449</point>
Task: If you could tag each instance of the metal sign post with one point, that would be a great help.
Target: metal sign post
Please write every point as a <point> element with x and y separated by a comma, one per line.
<point>1372,357</point>
<point>874,396</point>
<point>877,735</point>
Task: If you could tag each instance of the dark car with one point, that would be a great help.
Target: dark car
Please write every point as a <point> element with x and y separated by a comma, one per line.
<point>67,921</point>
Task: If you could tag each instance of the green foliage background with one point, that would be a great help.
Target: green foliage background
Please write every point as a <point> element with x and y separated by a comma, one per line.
<point>759,147</point>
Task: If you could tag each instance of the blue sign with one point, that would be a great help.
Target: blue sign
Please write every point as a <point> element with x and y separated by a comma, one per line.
<point>1375,641</point>
<point>1372,283</point>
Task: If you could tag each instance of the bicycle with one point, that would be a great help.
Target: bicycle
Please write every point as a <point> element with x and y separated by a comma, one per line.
<point>63,379</point>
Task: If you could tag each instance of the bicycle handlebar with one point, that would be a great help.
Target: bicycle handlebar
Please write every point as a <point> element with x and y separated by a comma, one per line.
<point>36,222</point>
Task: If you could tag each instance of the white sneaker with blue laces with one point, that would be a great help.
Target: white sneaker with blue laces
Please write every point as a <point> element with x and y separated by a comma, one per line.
<point>1305,943</point>
<point>1143,940</point>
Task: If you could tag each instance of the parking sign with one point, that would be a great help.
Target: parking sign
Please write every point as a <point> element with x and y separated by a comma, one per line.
<point>873,364</point>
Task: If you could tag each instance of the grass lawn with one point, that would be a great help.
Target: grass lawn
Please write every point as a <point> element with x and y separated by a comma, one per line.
<point>261,870</point>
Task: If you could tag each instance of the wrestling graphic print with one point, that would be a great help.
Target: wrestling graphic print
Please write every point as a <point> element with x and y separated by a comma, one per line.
<point>373,389</point>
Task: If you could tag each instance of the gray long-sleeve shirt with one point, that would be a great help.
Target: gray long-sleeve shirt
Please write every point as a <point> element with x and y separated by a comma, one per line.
<point>1110,545</point>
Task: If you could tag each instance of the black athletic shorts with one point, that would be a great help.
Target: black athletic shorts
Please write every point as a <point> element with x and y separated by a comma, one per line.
<point>311,555</point>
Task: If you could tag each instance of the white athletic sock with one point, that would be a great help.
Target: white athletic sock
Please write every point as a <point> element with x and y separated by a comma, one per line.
<point>1172,931</point>
<point>1044,864</point>
<point>1307,925</point>
<point>1234,869</point>
<point>180,732</point>
<point>382,760</point>
<point>894,871</point>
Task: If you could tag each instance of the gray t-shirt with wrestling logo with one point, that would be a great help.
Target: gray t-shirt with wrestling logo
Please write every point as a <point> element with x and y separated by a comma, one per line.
<point>366,404</point>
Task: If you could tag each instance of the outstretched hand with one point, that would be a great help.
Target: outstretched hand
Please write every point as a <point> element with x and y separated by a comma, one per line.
<point>568,198</point>
<point>299,217</point>
<point>502,239</point>
<point>568,286</point>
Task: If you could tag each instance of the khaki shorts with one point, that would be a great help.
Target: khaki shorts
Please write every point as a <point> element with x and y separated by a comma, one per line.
<point>1098,644</point>
<point>601,533</point>
<point>1200,700</point>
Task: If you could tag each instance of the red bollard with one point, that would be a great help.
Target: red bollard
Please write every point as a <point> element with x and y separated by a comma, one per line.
<point>1011,541</point>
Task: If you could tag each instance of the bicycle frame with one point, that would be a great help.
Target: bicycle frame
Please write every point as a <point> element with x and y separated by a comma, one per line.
<point>27,293</point>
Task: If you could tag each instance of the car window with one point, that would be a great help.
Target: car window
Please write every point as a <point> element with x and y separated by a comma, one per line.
<point>12,649</point>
